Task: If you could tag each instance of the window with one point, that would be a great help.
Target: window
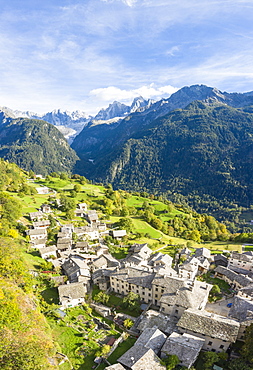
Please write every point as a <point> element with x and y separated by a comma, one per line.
<point>156,289</point>
<point>210,343</point>
<point>176,311</point>
<point>221,346</point>
<point>156,296</point>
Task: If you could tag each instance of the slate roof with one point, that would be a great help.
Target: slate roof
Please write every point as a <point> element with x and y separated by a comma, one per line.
<point>202,252</point>
<point>73,291</point>
<point>233,276</point>
<point>118,233</point>
<point>187,295</point>
<point>42,223</point>
<point>100,261</point>
<point>209,324</point>
<point>141,358</point>
<point>134,276</point>
<point>240,257</point>
<point>37,232</point>
<point>38,242</point>
<point>159,320</point>
<point>179,291</point>
<point>151,338</point>
<point>49,249</point>
<point>37,214</point>
<point>186,347</point>
<point>241,307</point>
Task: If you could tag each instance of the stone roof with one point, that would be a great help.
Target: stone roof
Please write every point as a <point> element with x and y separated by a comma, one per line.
<point>41,223</point>
<point>179,291</point>
<point>37,232</point>
<point>220,257</point>
<point>38,242</point>
<point>240,257</point>
<point>233,276</point>
<point>151,338</point>
<point>185,346</point>
<point>35,214</point>
<point>247,290</point>
<point>73,291</point>
<point>100,261</point>
<point>159,320</point>
<point>202,252</point>
<point>81,245</point>
<point>140,358</point>
<point>134,276</point>
<point>241,307</point>
<point>63,246</point>
<point>64,240</point>
<point>49,249</point>
<point>187,295</point>
<point>118,233</point>
<point>138,247</point>
<point>209,324</point>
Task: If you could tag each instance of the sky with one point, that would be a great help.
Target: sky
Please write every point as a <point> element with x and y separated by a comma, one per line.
<point>83,55</point>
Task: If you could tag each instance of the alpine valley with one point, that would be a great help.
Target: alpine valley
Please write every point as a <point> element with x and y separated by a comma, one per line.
<point>197,146</point>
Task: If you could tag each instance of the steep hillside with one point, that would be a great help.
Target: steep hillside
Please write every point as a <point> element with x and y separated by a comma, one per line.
<point>94,141</point>
<point>203,149</point>
<point>35,145</point>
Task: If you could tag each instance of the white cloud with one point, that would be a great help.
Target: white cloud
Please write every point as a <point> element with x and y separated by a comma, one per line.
<point>111,93</point>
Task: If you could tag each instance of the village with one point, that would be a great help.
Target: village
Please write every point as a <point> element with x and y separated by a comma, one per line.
<point>177,317</point>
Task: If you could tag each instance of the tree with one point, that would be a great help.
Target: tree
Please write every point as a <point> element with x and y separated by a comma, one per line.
<point>247,348</point>
<point>77,188</point>
<point>209,359</point>
<point>128,323</point>
<point>171,362</point>
<point>103,350</point>
<point>126,223</point>
<point>102,297</point>
<point>67,203</point>
<point>131,301</point>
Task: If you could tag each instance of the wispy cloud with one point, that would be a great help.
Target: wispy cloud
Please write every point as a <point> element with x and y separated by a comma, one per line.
<point>83,55</point>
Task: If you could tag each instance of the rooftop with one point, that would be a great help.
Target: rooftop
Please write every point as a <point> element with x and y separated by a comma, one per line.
<point>209,324</point>
<point>185,346</point>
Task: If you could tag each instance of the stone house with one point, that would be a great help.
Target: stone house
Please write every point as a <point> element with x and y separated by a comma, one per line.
<point>237,281</point>
<point>141,250</point>
<point>36,216</point>
<point>117,234</point>
<point>48,252</point>
<point>45,208</point>
<point>43,224</point>
<point>71,295</point>
<point>185,346</point>
<point>217,331</point>
<point>76,269</point>
<point>37,234</point>
<point>240,261</point>
<point>38,243</point>
<point>175,295</point>
<point>130,279</point>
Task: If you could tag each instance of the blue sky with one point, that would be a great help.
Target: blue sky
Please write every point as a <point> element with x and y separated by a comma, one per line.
<point>83,55</point>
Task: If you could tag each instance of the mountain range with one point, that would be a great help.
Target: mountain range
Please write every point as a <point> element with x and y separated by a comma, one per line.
<point>198,143</point>
<point>70,124</point>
